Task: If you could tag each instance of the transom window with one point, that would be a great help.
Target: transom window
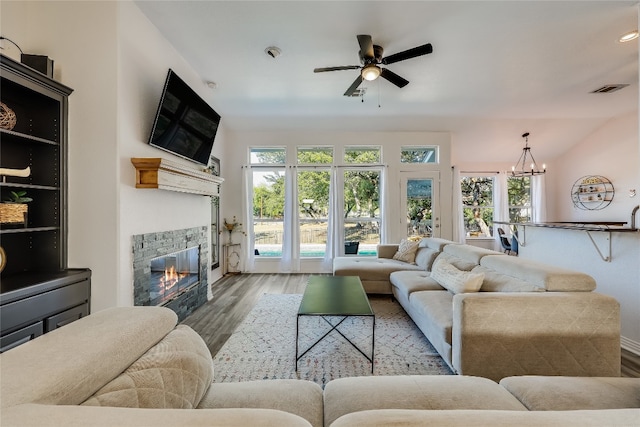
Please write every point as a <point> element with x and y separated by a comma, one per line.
<point>362,155</point>
<point>426,154</point>
<point>315,155</point>
<point>268,156</point>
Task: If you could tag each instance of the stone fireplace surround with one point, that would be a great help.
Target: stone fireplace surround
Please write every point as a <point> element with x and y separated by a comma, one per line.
<point>152,245</point>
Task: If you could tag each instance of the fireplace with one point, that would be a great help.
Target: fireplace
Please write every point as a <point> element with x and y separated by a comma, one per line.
<point>170,269</point>
<point>173,274</point>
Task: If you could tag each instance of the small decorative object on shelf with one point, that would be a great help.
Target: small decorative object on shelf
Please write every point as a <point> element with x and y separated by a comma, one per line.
<point>8,118</point>
<point>22,173</point>
<point>14,210</point>
<point>231,227</point>
<point>592,192</point>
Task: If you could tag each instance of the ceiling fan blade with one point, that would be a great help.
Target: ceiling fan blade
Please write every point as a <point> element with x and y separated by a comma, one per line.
<point>353,86</point>
<point>345,67</point>
<point>394,78</point>
<point>366,46</point>
<point>408,54</point>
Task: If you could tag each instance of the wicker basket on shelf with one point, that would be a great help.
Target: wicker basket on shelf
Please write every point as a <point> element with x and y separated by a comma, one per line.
<point>13,213</point>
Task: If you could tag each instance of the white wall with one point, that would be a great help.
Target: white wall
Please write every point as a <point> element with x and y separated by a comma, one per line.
<point>116,62</point>
<point>613,151</point>
<point>237,149</point>
<point>144,57</point>
<point>80,38</point>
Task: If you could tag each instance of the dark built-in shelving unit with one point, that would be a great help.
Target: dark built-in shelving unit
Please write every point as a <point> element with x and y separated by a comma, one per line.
<point>38,293</point>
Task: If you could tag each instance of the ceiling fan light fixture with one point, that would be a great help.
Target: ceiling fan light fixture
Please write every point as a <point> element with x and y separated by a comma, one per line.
<point>627,37</point>
<point>371,72</point>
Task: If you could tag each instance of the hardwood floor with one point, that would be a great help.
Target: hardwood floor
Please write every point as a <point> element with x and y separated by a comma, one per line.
<point>233,298</point>
<point>235,295</point>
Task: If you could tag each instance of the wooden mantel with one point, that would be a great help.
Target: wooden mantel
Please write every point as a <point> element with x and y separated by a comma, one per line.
<point>155,172</point>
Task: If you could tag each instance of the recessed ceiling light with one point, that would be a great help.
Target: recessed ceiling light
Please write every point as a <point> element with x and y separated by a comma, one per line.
<point>212,85</point>
<point>627,37</point>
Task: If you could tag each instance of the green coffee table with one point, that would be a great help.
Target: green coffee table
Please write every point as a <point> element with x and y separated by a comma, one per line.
<point>341,296</point>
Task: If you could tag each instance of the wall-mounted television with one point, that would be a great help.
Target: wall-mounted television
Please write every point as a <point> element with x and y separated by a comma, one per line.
<point>185,124</point>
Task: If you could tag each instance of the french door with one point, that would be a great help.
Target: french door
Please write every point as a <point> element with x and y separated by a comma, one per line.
<point>419,201</point>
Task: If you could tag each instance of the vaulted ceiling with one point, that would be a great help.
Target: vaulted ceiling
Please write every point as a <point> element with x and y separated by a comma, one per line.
<point>497,69</point>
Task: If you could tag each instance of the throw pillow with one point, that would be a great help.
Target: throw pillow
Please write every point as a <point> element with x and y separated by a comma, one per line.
<point>406,251</point>
<point>454,280</point>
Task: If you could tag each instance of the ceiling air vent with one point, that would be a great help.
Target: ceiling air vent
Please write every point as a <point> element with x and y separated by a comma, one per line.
<point>609,88</point>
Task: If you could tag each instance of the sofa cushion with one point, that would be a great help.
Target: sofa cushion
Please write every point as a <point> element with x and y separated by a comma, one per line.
<point>428,249</point>
<point>436,309</point>
<point>368,268</point>
<point>456,281</point>
<point>175,373</point>
<point>544,393</point>
<point>299,397</point>
<point>466,256</point>
<point>497,282</point>
<point>437,392</point>
<point>425,257</point>
<point>33,415</point>
<point>406,251</point>
<point>493,418</point>
<point>554,279</point>
<point>408,282</point>
<point>435,243</point>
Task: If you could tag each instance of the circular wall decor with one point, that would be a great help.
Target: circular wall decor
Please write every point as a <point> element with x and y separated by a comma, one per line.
<point>592,192</point>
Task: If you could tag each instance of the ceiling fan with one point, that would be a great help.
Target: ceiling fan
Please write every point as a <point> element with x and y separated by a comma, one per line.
<point>371,59</point>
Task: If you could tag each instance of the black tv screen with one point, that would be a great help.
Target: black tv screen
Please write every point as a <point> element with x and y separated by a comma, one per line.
<point>185,124</point>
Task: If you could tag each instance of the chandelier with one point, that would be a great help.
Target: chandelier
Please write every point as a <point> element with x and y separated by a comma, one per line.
<point>526,159</point>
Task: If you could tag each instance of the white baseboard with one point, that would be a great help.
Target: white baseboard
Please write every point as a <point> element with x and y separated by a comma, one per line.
<point>630,345</point>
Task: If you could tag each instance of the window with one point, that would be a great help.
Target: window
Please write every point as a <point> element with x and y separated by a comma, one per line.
<point>358,185</point>
<point>315,155</point>
<point>268,156</point>
<point>519,189</point>
<point>477,202</point>
<point>362,210</point>
<point>419,155</point>
<point>362,155</point>
<point>268,200</point>
<point>313,199</point>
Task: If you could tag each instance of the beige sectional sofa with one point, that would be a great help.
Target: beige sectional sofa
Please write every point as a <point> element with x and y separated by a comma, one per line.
<point>525,319</point>
<point>374,273</point>
<point>110,368</point>
<point>135,367</point>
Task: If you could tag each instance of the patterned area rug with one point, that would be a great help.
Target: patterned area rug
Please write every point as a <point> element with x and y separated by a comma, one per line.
<point>264,345</point>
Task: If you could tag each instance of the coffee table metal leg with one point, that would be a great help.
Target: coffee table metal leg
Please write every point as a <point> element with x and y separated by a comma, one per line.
<point>373,341</point>
<point>297,325</point>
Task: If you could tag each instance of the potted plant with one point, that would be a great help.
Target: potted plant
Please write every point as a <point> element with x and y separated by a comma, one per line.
<point>14,209</point>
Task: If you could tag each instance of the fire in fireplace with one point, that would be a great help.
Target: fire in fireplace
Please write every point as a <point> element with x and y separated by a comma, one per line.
<point>173,274</point>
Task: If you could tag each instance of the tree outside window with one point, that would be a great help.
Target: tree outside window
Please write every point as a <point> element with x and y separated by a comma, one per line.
<point>519,199</point>
<point>477,201</point>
